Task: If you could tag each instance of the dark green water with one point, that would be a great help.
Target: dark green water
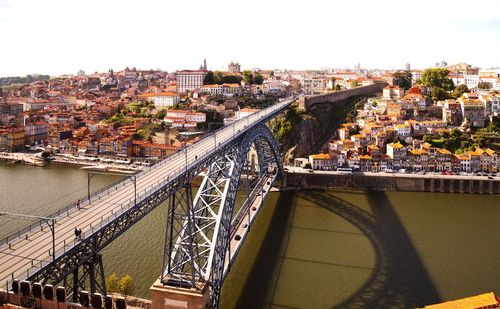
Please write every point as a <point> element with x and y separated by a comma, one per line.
<point>310,249</point>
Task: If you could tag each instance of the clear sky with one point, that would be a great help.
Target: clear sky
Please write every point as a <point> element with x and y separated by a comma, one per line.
<point>62,36</point>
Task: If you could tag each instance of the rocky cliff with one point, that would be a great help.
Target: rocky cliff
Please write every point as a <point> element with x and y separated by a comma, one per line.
<point>302,133</point>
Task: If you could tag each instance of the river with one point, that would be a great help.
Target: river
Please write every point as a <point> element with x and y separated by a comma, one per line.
<point>308,249</point>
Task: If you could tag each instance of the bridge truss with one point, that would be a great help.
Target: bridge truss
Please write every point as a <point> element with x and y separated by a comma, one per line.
<point>198,233</point>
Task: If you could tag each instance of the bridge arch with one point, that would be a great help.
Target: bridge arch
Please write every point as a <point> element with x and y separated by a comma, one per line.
<point>269,158</point>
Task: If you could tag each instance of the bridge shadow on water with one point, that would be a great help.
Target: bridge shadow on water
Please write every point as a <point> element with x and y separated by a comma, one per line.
<point>399,279</point>
<point>260,278</point>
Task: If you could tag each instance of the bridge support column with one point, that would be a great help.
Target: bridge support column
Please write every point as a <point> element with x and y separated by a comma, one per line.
<point>75,286</point>
<point>165,296</point>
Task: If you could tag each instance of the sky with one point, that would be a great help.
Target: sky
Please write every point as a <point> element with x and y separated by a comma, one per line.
<point>62,36</point>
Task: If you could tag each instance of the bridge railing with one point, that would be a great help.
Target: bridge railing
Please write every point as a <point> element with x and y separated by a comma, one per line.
<point>94,227</point>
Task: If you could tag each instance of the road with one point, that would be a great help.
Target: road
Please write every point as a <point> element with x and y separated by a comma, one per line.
<point>33,249</point>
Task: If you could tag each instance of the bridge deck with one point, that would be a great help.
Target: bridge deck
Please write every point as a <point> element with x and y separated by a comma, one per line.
<point>33,249</point>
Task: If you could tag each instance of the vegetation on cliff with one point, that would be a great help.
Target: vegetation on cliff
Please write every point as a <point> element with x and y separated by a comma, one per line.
<point>285,124</point>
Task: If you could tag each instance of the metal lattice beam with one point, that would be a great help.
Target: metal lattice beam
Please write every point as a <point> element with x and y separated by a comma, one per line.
<point>211,216</point>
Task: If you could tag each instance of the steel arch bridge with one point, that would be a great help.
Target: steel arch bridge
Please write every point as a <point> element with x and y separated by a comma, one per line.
<point>199,232</point>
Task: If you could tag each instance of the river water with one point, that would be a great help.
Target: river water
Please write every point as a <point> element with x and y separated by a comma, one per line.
<point>308,249</point>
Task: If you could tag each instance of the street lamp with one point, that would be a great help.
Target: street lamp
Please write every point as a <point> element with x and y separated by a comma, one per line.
<point>51,222</point>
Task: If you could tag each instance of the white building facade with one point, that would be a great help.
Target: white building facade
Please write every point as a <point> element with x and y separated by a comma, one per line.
<point>189,80</point>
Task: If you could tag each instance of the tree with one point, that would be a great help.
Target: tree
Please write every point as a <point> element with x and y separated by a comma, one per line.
<point>337,87</point>
<point>402,79</point>
<point>258,79</point>
<point>209,78</point>
<point>484,85</point>
<point>438,81</point>
<point>248,77</point>
<point>161,114</point>
<point>112,284</point>
<point>456,133</point>
<point>465,145</point>
<point>438,94</point>
<point>459,90</point>
<point>437,77</point>
<point>218,78</point>
<point>354,83</point>
<point>231,79</point>
<point>126,285</point>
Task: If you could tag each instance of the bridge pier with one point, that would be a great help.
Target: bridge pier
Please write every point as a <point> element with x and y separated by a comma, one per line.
<point>166,297</point>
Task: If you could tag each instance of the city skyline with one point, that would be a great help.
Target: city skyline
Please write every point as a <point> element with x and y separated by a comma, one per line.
<point>55,37</point>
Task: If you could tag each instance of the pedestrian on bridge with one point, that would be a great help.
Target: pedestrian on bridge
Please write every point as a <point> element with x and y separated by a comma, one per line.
<point>78,204</point>
<point>78,233</point>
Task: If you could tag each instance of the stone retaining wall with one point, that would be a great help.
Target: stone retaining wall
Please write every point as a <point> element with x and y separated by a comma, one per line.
<point>362,182</point>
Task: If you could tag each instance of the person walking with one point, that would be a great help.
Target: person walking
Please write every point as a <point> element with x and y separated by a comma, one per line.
<point>78,233</point>
<point>78,204</point>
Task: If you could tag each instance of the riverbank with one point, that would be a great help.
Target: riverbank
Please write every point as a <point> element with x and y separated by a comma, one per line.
<point>22,158</point>
<point>305,179</point>
<point>98,166</point>
<point>87,163</point>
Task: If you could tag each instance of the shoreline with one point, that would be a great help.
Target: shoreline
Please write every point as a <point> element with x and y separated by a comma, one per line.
<point>36,160</point>
<point>392,182</point>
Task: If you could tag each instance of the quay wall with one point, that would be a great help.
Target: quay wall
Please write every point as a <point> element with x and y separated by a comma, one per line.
<point>307,102</point>
<point>447,184</point>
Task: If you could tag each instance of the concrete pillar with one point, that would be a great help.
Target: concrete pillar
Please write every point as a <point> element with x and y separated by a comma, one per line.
<point>452,185</point>
<point>169,297</point>
<point>491,187</point>
<point>471,186</point>
<point>461,187</point>
<point>432,184</point>
<point>441,185</point>
<point>481,183</point>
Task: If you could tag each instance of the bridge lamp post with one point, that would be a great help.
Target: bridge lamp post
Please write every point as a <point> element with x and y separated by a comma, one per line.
<point>51,222</point>
<point>134,179</point>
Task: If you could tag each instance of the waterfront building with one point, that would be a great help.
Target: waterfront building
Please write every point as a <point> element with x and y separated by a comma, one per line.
<point>189,80</point>
<point>183,119</point>
<point>162,99</point>
<point>36,132</point>
<point>313,85</point>
<point>393,92</point>
<point>222,90</point>
<point>322,161</point>
<point>397,152</point>
<point>471,80</point>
